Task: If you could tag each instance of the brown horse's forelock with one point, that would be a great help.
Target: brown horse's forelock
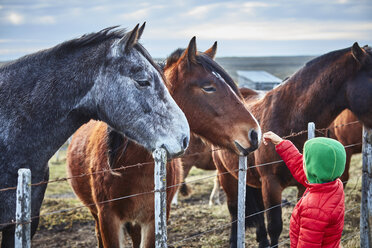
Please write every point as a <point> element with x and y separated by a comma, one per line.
<point>208,64</point>
<point>211,65</point>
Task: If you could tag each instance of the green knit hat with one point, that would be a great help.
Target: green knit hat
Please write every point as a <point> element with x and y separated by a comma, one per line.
<point>324,160</point>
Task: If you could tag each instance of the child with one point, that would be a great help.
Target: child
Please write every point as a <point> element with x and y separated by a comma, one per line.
<point>318,218</point>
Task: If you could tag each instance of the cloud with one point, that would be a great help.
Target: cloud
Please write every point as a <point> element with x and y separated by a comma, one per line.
<point>15,18</point>
<point>44,20</point>
<point>281,30</point>
<point>136,15</point>
<point>200,11</point>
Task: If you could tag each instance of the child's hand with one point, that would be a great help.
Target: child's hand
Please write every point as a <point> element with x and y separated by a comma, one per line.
<point>271,137</point>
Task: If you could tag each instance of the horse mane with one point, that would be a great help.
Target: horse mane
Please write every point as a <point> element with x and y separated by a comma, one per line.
<point>92,39</point>
<point>328,57</point>
<point>208,64</point>
<point>323,63</point>
<point>173,57</point>
<point>106,34</point>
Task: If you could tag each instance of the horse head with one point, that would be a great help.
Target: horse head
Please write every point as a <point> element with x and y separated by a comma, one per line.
<point>211,100</point>
<point>359,85</point>
<point>130,95</point>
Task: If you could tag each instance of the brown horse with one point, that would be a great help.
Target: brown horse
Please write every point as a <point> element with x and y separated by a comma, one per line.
<point>316,93</point>
<point>214,108</point>
<point>346,130</point>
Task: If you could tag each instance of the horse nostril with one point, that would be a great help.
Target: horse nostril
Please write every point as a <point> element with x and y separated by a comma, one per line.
<point>253,137</point>
<point>185,142</point>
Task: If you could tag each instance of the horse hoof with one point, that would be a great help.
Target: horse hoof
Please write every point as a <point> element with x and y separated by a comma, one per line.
<point>264,244</point>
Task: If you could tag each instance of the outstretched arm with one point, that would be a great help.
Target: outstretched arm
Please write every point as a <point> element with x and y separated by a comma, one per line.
<point>290,154</point>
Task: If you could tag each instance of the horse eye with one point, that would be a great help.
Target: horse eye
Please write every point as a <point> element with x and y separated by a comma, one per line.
<point>143,83</point>
<point>209,89</point>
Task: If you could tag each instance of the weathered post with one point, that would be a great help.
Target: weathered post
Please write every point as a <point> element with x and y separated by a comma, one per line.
<point>23,210</point>
<point>310,130</point>
<point>160,180</point>
<point>241,200</point>
<point>366,204</point>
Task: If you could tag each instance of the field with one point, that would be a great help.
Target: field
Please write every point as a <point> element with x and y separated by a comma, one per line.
<point>191,217</point>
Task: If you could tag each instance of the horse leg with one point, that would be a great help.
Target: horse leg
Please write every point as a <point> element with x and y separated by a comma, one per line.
<point>110,228</point>
<point>8,237</point>
<point>148,235</point>
<point>184,188</point>
<point>214,198</point>
<point>301,190</point>
<point>98,233</point>
<point>134,231</point>
<point>175,199</point>
<point>254,215</point>
<point>272,197</point>
<point>345,176</point>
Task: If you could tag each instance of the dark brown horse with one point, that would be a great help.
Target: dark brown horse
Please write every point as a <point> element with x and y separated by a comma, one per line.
<point>214,108</point>
<point>348,131</point>
<point>316,93</point>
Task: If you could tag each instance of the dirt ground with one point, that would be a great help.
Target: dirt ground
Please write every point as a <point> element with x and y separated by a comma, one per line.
<point>192,223</point>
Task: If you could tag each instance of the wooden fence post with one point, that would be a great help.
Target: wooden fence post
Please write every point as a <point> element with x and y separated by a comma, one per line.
<point>366,202</point>
<point>241,201</point>
<point>22,236</point>
<point>160,180</point>
<point>310,130</point>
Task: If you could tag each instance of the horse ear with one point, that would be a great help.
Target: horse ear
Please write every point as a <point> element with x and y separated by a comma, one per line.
<point>190,52</point>
<point>211,52</point>
<point>140,31</point>
<point>357,52</point>
<point>129,40</point>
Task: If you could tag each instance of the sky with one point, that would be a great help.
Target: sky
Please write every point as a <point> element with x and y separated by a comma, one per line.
<point>242,28</point>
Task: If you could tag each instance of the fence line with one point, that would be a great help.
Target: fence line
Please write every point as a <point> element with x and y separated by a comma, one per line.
<point>189,155</point>
<point>183,240</point>
<point>152,191</point>
<point>145,193</point>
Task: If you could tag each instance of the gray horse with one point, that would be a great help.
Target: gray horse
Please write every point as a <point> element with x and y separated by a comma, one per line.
<point>46,96</point>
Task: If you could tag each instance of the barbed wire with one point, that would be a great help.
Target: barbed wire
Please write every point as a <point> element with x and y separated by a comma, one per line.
<point>144,193</point>
<point>350,236</point>
<point>185,156</point>
<point>190,237</point>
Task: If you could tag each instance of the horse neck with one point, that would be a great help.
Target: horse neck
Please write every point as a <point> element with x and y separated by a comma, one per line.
<point>46,87</point>
<point>307,98</point>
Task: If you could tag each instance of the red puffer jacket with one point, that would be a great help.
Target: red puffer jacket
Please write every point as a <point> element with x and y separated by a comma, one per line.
<point>318,218</point>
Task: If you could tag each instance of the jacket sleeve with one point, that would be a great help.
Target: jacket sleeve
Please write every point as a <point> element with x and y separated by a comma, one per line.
<point>312,228</point>
<point>293,159</point>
